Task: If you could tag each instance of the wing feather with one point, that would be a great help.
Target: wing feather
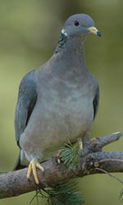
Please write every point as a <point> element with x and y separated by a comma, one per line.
<point>26,102</point>
<point>96,102</point>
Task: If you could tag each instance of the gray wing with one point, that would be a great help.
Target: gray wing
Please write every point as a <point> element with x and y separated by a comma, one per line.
<point>26,102</point>
<point>96,102</point>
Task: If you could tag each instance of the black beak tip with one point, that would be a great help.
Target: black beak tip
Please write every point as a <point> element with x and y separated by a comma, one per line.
<point>99,33</point>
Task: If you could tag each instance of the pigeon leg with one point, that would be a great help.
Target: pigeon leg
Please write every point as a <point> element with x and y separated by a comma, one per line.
<point>32,168</point>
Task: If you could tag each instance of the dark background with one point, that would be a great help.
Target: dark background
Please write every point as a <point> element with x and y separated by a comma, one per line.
<point>29,31</point>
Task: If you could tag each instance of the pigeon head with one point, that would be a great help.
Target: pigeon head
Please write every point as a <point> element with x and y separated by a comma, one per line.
<point>79,25</point>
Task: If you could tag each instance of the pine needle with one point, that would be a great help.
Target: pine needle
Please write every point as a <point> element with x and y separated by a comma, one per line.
<point>70,155</point>
<point>63,193</point>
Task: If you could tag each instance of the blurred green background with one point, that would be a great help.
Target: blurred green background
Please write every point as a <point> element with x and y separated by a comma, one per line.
<point>29,31</point>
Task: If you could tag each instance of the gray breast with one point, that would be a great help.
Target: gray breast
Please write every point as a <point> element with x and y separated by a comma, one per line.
<point>61,113</point>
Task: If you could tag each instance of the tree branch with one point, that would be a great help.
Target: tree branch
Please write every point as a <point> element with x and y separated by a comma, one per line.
<point>93,161</point>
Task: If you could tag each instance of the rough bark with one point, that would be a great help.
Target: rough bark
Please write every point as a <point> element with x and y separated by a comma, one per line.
<point>93,161</point>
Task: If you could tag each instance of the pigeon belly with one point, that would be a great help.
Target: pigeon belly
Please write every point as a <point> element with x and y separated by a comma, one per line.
<point>54,121</point>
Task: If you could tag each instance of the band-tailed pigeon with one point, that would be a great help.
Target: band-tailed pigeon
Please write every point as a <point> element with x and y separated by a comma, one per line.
<point>58,101</point>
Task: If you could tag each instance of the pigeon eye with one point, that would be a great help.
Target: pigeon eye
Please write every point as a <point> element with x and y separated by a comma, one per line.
<point>76,23</point>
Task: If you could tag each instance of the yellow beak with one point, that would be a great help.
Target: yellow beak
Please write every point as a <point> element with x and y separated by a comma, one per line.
<point>94,30</point>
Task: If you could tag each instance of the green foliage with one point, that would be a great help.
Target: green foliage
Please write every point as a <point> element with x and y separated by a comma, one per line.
<point>63,193</point>
<point>70,154</point>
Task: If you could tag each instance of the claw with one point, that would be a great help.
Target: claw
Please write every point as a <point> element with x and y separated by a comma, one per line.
<point>93,139</point>
<point>32,168</point>
<point>80,144</point>
<point>58,157</point>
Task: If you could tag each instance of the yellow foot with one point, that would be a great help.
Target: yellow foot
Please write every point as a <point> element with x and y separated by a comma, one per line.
<point>58,157</point>
<point>93,139</point>
<point>78,144</point>
<point>32,168</point>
